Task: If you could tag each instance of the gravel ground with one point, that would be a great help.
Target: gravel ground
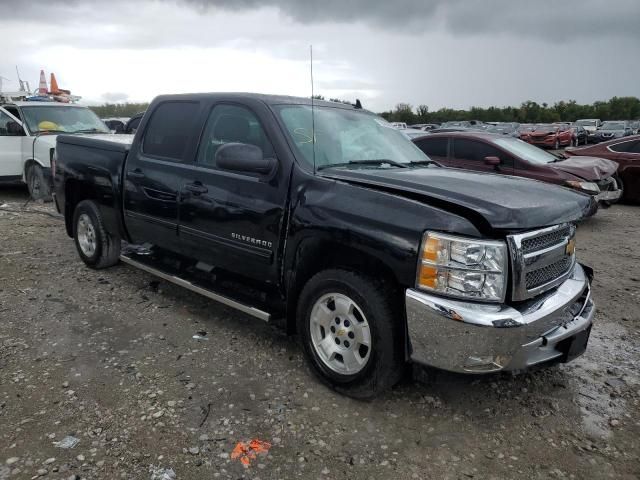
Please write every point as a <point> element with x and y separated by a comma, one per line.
<point>108,357</point>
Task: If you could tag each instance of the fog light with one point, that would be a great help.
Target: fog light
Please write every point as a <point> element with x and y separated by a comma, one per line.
<point>486,363</point>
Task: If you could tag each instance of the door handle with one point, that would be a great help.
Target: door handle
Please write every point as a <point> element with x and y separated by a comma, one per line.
<point>196,188</point>
<point>137,173</point>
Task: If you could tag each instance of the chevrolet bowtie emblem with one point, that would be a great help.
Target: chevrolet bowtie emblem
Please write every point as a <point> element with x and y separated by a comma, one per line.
<point>571,247</point>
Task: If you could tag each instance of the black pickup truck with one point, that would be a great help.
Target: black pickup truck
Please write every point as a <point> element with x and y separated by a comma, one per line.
<point>326,218</point>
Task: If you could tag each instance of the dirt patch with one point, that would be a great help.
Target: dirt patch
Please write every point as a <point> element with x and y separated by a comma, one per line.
<point>109,358</point>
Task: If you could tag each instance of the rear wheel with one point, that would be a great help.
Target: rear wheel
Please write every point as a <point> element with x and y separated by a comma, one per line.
<point>96,247</point>
<point>37,184</point>
<point>351,333</point>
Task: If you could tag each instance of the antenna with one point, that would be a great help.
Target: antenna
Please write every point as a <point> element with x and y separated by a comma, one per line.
<point>313,116</point>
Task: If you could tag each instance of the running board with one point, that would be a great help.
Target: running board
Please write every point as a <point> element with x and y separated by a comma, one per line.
<point>197,289</point>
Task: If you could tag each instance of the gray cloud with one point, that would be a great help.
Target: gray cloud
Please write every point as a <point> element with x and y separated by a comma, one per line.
<point>548,20</point>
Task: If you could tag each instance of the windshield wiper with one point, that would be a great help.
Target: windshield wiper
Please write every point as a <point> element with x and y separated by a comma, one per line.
<point>380,161</point>
<point>423,162</point>
<point>40,132</point>
<point>89,130</point>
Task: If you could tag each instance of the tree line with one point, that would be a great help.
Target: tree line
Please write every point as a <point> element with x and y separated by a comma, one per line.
<point>109,110</point>
<point>617,108</point>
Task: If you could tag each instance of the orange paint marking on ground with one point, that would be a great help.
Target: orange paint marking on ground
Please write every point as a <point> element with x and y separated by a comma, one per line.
<point>247,451</point>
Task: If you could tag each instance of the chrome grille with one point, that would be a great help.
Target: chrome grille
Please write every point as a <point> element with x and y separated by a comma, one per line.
<point>540,260</point>
<point>546,240</point>
<point>541,276</point>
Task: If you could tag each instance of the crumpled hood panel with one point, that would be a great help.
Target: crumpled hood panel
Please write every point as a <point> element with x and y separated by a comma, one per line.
<point>506,203</point>
<point>587,168</point>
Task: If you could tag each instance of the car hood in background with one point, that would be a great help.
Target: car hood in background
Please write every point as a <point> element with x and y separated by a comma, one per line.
<point>587,168</point>
<point>504,203</point>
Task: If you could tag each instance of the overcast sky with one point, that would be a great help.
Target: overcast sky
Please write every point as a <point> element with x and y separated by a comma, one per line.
<point>454,53</point>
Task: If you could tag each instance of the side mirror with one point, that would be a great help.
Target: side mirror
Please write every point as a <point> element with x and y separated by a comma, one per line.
<point>492,161</point>
<point>14,129</point>
<point>243,157</point>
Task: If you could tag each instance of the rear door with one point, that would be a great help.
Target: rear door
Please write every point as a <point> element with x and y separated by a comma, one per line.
<point>11,134</point>
<point>154,170</point>
<point>470,153</point>
<point>234,220</point>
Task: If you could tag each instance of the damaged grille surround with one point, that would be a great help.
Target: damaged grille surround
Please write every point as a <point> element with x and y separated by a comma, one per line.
<point>540,260</point>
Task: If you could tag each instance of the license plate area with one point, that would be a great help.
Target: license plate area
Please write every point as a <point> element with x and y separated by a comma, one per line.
<point>575,346</point>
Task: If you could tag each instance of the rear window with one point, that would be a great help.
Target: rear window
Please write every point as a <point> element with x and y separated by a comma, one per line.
<point>169,130</point>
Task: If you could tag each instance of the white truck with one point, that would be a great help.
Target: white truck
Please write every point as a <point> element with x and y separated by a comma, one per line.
<point>28,132</point>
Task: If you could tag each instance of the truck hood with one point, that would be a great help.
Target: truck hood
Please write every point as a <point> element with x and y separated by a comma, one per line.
<point>489,201</point>
<point>587,168</point>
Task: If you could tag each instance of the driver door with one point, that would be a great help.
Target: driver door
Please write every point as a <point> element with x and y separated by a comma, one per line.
<point>11,133</point>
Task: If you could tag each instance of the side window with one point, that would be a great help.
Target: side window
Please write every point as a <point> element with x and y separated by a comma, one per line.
<point>8,126</point>
<point>14,111</point>
<point>624,147</point>
<point>231,124</point>
<point>434,147</point>
<point>464,149</point>
<point>169,130</point>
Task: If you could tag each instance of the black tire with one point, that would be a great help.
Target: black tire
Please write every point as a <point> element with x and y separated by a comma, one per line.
<point>106,252</point>
<point>385,364</point>
<point>39,188</point>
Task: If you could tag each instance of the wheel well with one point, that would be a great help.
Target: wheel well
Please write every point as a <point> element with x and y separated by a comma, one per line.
<point>314,259</point>
<point>74,193</point>
<point>28,164</point>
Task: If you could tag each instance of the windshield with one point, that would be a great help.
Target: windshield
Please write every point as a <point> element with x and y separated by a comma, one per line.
<point>586,123</point>
<point>344,136</point>
<point>613,126</point>
<point>62,119</point>
<point>525,150</point>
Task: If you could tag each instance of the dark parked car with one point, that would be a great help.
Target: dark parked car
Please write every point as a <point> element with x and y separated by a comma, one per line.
<point>133,123</point>
<point>626,153</point>
<point>580,135</point>
<point>488,152</point>
<point>331,221</point>
<point>612,129</point>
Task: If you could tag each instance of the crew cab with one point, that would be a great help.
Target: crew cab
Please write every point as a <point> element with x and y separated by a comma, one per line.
<point>28,132</point>
<point>328,219</point>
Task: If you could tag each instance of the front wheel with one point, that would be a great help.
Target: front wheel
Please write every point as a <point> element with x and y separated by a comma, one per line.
<point>96,247</point>
<point>351,333</point>
<point>37,184</point>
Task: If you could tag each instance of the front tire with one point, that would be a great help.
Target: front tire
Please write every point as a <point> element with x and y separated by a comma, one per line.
<point>96,247</point>
<point>618,180</point>
<point>350,333</point>
<point>37,184</point>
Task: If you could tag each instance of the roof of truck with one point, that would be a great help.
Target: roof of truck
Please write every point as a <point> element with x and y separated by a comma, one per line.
<point>268,99</point>
<point>43,104</point>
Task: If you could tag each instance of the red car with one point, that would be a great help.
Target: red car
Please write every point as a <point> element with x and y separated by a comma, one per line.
<point>625,152</point>
<point>551,136</point>
<point>493,153</point>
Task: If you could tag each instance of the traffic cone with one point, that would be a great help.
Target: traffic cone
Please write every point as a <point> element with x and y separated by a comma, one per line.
<point>42,87</point>
<point>54,85</point>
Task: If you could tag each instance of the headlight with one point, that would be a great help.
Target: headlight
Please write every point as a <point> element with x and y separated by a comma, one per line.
<point>584,186</point>
<point>463,267</point>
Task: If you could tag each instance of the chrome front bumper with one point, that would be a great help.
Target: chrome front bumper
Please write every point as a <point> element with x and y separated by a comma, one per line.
<point>474,337</point>
<point>609,195</point>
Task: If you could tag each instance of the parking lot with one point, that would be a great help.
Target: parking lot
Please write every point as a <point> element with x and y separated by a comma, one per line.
<point>109,357</point>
